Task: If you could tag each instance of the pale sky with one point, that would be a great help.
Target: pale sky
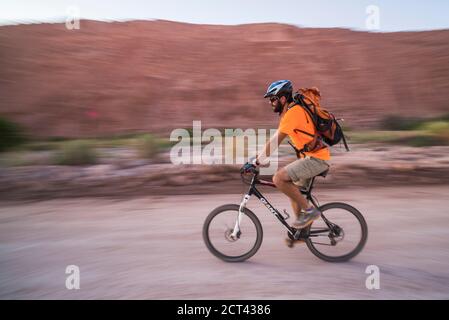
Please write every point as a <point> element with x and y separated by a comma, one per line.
<point>394,15</point>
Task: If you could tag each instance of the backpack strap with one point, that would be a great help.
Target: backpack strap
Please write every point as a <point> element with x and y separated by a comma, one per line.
<point>302,131</point>
<point>343,136</point>
<point>298,152</point>
<point>344,141</point>
<point>291,105</point>
<point>316,141</point>
<point>306,107</point>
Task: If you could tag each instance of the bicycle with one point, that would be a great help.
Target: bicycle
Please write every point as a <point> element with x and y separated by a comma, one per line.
<point>335,229</point>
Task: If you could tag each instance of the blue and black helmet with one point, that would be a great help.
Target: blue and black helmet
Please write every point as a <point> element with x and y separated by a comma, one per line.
<point>278,88</point>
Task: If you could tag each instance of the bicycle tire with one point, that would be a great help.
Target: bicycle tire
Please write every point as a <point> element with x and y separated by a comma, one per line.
<point>360,245</point>
<point>217,253</point>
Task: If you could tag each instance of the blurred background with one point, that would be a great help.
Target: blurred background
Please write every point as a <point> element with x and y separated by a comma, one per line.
<point>91,90</point>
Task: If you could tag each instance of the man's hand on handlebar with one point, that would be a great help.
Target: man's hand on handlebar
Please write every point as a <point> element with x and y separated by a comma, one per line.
<point>250,167</point>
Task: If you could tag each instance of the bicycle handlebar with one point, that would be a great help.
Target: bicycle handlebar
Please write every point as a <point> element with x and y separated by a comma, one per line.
<point>254,172</point>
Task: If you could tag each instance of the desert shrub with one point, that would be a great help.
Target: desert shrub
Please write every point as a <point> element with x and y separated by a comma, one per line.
<point>394,122</point>
<point>15,159</point>
<point>76,152</point>
<point>148,146</point>
<point>11,135</point>
<point>422,141</point>
<point>438,128</point>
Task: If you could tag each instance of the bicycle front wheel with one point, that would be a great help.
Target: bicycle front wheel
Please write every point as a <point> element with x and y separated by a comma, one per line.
<point>219,226</point>
<point>339,235</point>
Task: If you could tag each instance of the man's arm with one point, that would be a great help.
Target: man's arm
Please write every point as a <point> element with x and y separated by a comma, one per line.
<point>270,146</point>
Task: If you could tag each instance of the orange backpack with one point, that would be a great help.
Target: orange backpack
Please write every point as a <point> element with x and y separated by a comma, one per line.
<point>328,130</point>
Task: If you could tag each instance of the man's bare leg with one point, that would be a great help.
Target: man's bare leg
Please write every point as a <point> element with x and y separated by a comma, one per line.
<point>296,208</point>
<point>284,183</point>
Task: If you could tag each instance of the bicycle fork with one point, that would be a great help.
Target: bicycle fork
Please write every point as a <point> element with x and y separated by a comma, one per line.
<point>236,232</point>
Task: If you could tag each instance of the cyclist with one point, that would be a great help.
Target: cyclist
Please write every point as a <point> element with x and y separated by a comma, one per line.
<point>293,120</point>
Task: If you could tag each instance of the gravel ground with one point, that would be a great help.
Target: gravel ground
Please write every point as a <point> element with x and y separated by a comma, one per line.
<point>151,248</point>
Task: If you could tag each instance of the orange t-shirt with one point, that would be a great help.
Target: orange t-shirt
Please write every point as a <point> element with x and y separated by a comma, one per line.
<point>298,118</point>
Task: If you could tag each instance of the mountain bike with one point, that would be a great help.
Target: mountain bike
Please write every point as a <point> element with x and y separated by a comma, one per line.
<point>233,233</point>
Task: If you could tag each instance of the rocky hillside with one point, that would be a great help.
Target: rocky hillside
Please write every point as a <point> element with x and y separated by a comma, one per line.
<point>157,75</point>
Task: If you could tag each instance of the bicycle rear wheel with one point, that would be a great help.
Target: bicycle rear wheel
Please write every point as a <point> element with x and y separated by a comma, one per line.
<point>339,235</point>
<point>218,227</point>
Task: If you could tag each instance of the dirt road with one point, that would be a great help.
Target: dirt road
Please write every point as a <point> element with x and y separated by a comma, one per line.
<point>151,248</point>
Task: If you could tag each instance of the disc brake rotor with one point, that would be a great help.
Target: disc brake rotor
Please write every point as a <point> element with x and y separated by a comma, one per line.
<point>229,237</point>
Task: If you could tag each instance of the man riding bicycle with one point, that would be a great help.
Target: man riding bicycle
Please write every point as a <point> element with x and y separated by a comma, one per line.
<point>297,124</point>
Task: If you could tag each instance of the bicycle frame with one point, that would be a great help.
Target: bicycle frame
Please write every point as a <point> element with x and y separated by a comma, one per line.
<point>315,235</point>
<point>254,191</point>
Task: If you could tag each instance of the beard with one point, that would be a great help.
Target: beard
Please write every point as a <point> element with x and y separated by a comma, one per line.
<point>278,107</point>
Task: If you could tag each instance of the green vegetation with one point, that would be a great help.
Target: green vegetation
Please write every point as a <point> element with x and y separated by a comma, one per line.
<point>148,146</point>
<point>414,138</point>
<point>19,151</point>
<point>117,141</point>
<point>67,151</point>
<point>422,141</point>
<point>377,136</point>
<point>437,128</point>
<point>408,131</point>
<point>399,123</point>
<point>77,152</point>
<point>15,159</point>
<point>11,135</point>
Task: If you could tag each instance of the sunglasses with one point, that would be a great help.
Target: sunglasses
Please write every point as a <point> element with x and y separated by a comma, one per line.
<point>273,99</point>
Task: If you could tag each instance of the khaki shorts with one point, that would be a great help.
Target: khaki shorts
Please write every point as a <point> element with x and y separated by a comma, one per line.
<point>302,170</point>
